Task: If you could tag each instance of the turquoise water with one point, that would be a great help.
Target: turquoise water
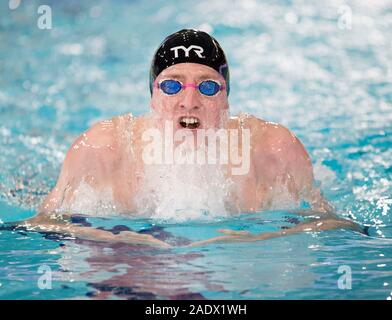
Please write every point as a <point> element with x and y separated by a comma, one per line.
<point>291,62</point>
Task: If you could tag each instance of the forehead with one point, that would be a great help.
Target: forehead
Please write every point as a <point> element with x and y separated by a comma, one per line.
<point>193,71</point>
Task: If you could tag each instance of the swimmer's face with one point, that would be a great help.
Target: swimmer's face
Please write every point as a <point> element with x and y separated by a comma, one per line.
<point>209,111</point>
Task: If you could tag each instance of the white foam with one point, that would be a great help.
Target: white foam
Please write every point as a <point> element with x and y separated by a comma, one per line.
<point>176,193</point>
<point>281,198</point>
<point>184,192</point>
<point>89,201</point>
<point>323,173</point>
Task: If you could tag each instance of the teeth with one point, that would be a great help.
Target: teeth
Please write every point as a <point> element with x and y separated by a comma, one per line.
<point>189,120</point>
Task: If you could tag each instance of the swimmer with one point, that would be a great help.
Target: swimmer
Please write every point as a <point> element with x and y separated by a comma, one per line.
<point>189,85</point>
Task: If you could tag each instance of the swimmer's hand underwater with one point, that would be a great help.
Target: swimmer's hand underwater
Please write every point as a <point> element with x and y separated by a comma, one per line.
<point>312,226</point>
<point>44,223</point>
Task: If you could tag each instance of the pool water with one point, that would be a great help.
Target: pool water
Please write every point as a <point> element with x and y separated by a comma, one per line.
<point>292,62</point>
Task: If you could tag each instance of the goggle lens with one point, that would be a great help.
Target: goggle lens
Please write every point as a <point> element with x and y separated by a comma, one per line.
<point>209,87</point>
<point>170,86</point>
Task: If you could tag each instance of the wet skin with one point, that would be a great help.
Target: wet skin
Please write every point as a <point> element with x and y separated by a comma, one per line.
<point>109,154</point>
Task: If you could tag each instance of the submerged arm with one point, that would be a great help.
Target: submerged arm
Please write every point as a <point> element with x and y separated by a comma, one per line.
<point>315,226</point>
<point>44,223</point>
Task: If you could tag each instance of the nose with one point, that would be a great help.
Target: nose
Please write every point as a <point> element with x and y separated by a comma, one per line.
<point>190,99</point>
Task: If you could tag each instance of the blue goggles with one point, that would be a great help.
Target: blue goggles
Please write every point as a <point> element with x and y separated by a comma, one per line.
<point>207,87</point>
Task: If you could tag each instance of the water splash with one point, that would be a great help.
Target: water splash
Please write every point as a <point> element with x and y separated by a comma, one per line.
<point>184,192</point>
<point>89,201</point>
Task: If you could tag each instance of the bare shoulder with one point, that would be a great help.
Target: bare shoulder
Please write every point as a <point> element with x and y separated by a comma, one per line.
<point>101,134</point>
<point>98,150</point>
<point>103,137</point>
<point>94,157</point>
<point>272,137</point>
<point>94,141</point>
<point>277,151</point>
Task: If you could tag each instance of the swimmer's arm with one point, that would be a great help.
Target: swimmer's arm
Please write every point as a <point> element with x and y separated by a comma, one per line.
<point>288,157</point>
<point>89,159</point>
<point>45,223</point>
<point>88,156</point>
<point>299,166</point>
<point>313,226</point>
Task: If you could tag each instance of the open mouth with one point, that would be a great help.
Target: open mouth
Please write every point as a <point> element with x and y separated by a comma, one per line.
<point>189,122</point>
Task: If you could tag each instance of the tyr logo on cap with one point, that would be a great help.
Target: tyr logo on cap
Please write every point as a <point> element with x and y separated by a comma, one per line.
<point>197,49</point>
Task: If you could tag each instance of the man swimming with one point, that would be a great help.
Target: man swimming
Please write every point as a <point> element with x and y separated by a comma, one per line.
<point>189,84</point>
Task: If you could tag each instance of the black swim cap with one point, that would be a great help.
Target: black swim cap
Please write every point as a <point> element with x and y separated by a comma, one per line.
<point>189,45</point>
